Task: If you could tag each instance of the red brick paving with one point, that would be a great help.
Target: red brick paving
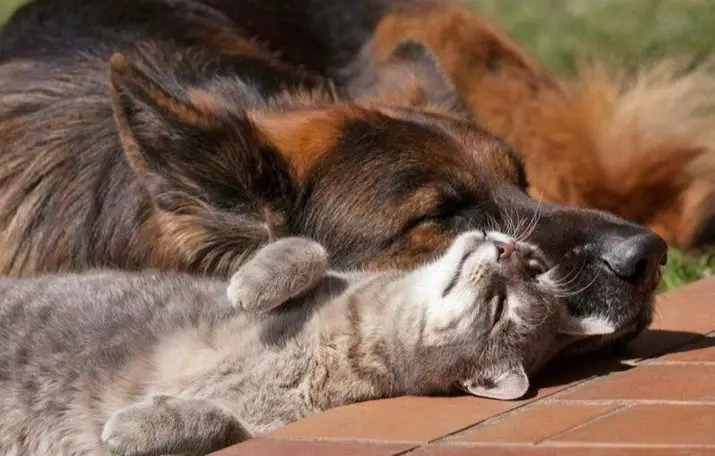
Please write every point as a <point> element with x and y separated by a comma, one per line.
<point>659,402</point>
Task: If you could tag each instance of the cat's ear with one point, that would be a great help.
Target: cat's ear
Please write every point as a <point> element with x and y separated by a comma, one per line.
<point>507,385</point>
<point>410,76</point>
<point>585,327</point>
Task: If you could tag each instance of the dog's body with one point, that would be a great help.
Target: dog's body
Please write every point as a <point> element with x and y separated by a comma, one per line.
<point>152,364</point>
<point>198,146</point>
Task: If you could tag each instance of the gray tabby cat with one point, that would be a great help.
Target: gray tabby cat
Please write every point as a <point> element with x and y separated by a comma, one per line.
<point>150,363</point>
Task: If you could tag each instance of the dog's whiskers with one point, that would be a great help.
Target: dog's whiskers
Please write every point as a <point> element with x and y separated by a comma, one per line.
<point>560,287</point>
<point>567,294</point>
<point>571,277</point>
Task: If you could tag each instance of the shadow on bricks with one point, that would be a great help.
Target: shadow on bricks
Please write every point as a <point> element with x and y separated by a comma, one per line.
<point>652,342</point>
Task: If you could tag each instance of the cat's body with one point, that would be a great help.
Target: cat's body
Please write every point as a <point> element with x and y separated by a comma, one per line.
<point>163,364</point>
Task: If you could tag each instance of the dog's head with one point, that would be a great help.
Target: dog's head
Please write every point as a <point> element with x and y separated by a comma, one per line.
<point>386,179</point>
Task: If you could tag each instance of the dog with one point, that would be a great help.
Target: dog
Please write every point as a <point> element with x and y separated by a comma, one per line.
<point>640,146</point>
<point>157,134</point>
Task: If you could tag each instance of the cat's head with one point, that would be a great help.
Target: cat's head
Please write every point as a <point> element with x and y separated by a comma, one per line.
<point>491,316</point>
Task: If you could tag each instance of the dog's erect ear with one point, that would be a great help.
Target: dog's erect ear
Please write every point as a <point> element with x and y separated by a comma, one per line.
<point>189,137</point>
<point>179,139</point>
<point>507,385</point>
<point>410,76</point>
<point>149,116</point>
<point>162,133</point>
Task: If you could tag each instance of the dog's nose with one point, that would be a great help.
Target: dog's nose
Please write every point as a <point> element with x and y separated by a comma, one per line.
<point>635,257</point>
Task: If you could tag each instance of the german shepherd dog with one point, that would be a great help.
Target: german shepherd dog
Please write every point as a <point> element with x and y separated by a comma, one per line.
<point>639,146</point>
<point>159,134</point>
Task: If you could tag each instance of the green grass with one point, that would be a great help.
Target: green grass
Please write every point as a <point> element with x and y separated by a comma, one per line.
<point>685,267</point>
<point>7,7</point>
<point>632,31</point>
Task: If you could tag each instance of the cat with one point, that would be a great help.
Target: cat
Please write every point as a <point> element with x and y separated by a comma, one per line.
<point>147,363</point>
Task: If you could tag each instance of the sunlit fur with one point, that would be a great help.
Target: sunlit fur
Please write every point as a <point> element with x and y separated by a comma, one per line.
<point>149,363</point>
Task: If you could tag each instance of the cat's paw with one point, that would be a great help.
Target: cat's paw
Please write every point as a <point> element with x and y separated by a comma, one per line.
<point>278,272</point>
<point>129,431</point>
<point>168,425</point>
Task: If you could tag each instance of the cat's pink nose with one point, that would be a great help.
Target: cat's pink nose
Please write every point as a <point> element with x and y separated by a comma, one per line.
<point>505,249</point>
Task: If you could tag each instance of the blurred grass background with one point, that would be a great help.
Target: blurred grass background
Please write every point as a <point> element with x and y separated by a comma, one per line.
<point>632,31</point>
<point>7,7</point>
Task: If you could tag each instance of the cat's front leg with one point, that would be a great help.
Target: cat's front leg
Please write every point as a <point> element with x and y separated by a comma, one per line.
<point>169,425</point>
<point>278,272</point>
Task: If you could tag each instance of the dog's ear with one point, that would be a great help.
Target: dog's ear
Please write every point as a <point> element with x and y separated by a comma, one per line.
<point>161,132</point>
<point>410,76</point>
<point>183,138</point>
<point>180,140</point>
<point>510,384</point>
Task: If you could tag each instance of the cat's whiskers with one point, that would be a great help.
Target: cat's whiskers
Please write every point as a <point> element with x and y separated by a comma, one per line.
<point>533,223</point>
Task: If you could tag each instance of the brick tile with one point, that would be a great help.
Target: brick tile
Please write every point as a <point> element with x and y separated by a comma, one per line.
<point>652,382</point>
<point>404,419</point>
<point>681,315</point>
<point>569,372</point>
<point>654,342</point>
<point>534,423</point>
<point>444,450</point>
<point>272,447</point>
<point>649,425</point>
<point>689,308</point>
<point>702,351</point>
<point>565,374</point>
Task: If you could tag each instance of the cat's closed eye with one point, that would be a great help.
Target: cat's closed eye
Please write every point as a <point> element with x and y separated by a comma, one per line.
<point>499,307</point>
